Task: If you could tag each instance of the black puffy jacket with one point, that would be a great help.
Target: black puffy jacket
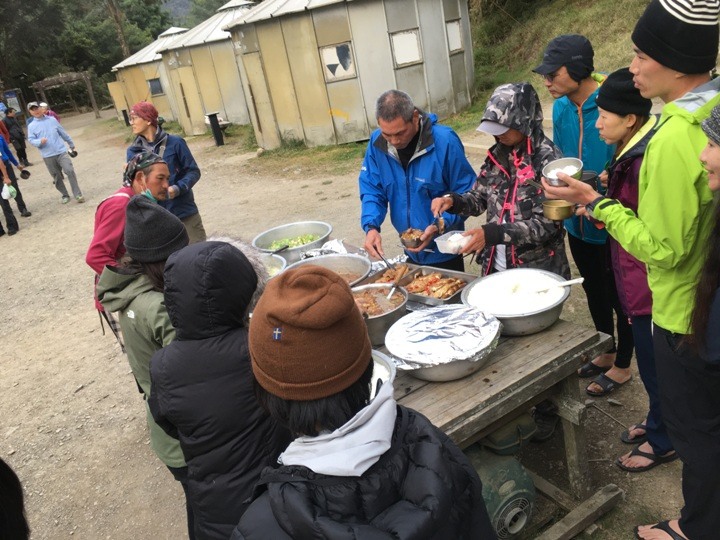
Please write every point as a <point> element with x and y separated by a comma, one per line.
<point>423,487</point>
<point>202,390</point>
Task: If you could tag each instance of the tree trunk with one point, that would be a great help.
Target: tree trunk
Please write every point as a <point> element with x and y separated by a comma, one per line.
<point>117,17</point>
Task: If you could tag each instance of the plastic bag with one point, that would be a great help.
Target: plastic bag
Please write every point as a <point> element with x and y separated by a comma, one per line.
<point>8,192</point>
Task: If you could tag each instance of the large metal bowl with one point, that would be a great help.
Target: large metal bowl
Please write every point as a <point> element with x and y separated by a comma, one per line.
<point>354,268</point>
<point>291,230</point>
<point>561,164</point>
<point>529,322</point>
<point>380,324</point>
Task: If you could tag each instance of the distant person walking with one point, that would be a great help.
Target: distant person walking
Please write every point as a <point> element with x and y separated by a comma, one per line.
<point>17,136</point>
<point>184,171</point>
<point>46,133</point>
<point>48,112</point>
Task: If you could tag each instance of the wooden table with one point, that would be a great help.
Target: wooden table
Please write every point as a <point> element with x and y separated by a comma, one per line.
<point>522,372</point>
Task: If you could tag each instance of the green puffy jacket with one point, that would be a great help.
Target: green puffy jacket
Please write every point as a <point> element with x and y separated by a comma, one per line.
<point>675,209</point>
<point>146,328</point>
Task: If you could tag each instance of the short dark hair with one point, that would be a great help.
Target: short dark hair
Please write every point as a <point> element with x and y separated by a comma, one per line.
<point>317,415</point>
<point>9,110</point>
<point>393,104</point>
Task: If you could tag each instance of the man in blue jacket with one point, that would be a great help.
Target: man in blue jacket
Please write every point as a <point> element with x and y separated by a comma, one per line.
<point>184,172</point>
<point>409,161</point>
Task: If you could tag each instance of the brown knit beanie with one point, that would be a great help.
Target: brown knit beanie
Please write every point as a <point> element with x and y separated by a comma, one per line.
<point>308,339</point>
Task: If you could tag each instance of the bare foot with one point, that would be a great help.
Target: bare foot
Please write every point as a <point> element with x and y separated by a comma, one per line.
<point>636,462</point>
<point>647,532</point>
<point>635,432</point>
<point>619,375</point>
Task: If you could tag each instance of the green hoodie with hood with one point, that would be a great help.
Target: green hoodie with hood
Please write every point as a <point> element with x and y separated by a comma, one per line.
<point>146,328</point>
<point>675,209</point>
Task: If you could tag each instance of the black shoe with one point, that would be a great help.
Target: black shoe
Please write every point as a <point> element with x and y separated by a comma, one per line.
<point>26,213</point>
<point>10,233</point>
<point>2,232</point>
<point>26,163</point>
<point>546,424</point>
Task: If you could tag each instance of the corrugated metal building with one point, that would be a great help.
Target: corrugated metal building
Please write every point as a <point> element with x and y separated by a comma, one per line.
<point>142,77</point>
<point>313,69</point>
<point>204,75</point>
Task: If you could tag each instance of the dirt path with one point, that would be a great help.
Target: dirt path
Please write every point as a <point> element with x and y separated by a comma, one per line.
<point>71,422</point>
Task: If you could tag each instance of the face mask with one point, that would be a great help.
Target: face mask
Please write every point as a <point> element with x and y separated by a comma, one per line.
<point>147,193</point>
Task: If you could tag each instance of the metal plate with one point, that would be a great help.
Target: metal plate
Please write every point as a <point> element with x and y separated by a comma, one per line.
<point>426,270</point>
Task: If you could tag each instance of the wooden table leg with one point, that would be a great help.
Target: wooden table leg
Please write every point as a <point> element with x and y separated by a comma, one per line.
<point>572,412</point>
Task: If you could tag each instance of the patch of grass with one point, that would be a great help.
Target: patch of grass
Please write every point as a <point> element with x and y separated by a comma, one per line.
<point>334,160</point>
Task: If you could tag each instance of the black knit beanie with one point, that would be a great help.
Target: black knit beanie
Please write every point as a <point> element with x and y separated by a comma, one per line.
<point>711,125</point>
<point>619,95</point>
<point>680,34</point>
<point>152,233</point>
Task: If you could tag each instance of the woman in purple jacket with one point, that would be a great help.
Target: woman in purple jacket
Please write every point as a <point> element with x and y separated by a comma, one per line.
<point>625,120</point>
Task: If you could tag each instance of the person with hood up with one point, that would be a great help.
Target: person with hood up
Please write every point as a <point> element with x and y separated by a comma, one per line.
<point>202,384</point>
<point>134,289</point>
<point>517,234</point>
<point>358,467</point>
<point>184,172</point>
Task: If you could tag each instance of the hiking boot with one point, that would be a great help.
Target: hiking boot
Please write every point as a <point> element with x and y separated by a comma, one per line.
<point>26,213</point>
<point>65,200</point>
<point>14,231</point>
<point>80,199</point>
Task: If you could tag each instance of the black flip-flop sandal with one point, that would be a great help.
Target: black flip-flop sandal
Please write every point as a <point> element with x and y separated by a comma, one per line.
<point>604,382</point>
<point>627,439</point>
<point>654,461</point>
<point>589,369</point>
<point>665,527</point>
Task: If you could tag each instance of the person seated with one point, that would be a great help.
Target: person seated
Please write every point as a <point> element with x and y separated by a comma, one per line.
<point>517,234</point>
<point>358,467</point>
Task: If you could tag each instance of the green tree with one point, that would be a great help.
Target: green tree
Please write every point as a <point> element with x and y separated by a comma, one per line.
<point>201,10</point>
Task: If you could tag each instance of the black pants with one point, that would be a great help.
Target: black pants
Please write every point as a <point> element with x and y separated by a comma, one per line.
<point>593,262</point>
<point>645,354</point>
<point>20,151</point>
<point>690,400</point>
<point>181,475</point>
<point>13,179</point>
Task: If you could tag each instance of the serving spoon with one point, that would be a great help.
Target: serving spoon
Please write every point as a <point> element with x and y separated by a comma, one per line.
<point>560,284</point>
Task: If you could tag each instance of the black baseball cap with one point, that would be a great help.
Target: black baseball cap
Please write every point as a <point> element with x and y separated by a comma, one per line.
<point>571,50</point>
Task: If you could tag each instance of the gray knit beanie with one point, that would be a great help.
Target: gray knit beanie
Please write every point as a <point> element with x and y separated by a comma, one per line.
<point>711,125</point>
<point>152,233</point>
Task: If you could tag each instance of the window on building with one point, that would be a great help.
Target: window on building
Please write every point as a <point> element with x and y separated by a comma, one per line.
<point>338,62</point>
<point>454,36</point>
<point>406,48</point>
<point>156,88</point>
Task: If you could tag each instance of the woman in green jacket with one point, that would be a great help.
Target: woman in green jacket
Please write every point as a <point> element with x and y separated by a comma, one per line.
<point>134,289</point>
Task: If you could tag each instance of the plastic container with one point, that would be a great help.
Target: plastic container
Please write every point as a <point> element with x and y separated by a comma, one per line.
<point>445,246</point>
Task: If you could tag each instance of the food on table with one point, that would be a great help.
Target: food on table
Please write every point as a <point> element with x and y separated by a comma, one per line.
<point>395,274</point>
<point>569,170</point>
<point>295,241</point>
<point>375,302</point>
<point>435,285</point>
<point>507,295</point>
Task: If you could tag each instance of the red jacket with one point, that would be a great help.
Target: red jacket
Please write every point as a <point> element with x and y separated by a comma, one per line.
<point>107,244</point>
<point>4,132</point>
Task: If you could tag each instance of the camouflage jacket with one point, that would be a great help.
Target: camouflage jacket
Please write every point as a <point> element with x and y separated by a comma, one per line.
<point>532,240</point>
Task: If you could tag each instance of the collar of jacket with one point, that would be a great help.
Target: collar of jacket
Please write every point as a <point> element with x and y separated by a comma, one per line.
<point>143,143</point>
<point>425,142</point>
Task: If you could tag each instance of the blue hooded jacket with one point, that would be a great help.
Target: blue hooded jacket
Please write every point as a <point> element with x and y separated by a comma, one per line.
<point>437,167</point>
<point>184,172</point>
<point>577,136</point>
